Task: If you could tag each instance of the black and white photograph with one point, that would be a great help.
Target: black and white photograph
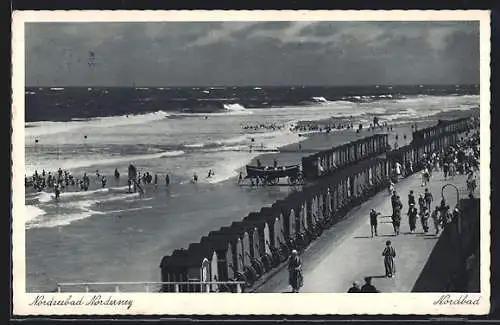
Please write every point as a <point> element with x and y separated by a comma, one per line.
<point>231,155</point>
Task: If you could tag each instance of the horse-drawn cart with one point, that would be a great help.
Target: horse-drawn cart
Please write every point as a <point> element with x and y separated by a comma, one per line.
<point>269,175</point>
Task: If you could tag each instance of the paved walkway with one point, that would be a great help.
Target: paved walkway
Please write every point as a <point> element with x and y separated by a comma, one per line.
<point>346,252</point>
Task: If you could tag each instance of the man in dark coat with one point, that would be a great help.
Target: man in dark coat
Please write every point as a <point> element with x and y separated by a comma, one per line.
<point>396,217</point>
<point>373,221</point>
<point>354,288</point>
<point>412,217</point>
<point>368,287</point>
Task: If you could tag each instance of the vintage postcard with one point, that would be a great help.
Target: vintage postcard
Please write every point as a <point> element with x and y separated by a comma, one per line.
<point>251,162</point>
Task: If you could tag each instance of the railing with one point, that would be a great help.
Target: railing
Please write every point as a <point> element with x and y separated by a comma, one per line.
<point>198,286</point>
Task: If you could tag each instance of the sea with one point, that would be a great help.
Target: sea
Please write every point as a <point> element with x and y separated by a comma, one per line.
<point>107,234</point>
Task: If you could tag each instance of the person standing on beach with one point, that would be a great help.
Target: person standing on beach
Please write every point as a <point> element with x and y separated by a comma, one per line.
<point>167,180</point>
<point>57,191</point>
<point>240,178</point>
<point>389,254</point>
<point>373,221</point>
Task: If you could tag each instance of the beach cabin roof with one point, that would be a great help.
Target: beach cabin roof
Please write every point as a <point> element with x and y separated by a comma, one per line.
<point>233,230</point>
<point>272,211</point>
<point>198,252</point>
<point>259,219</point>
<point>247,225</point>
<point>217,242</point>
<point>176,260</point>
<point>227,235</point>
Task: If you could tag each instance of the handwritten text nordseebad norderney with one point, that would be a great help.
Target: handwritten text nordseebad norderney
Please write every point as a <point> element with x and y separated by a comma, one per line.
<point>95,300</point>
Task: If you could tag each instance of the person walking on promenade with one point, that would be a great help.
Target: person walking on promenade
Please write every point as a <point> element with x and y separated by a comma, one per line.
<point>398,170</point>
<point>471,184</point>
<point>428,198</point>
<point>394,197</point>
<point>368,287</point>
<point>295,278</point>
<point>424,218</point>
<point>412,217</point>
<point>425,177</point>
<point>354,288</point>
<point>396,216</point>
<point>411,198</point>
<point>421,202</point>
<point>389,254</point>
<point>391,187</point>
<point>445,168</point>
<point>373,221</point>
<point>436,219</point>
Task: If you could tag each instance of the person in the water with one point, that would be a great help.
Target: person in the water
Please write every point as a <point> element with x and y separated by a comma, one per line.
<point>195,178</point>
<point>103,181</point>
<point>117,174</point>
<point>57,191</point>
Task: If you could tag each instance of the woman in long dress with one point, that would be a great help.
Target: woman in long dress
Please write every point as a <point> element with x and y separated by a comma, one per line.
<point>389,254</point>
<point>295,271</point>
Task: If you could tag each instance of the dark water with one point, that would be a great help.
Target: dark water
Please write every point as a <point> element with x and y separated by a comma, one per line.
<point>61,104</point>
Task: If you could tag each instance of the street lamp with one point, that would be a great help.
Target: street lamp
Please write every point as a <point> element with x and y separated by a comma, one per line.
<point>459,218</point>
<point>458,198</point>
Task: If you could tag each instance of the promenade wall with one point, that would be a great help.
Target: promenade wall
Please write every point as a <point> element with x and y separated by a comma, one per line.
<point>451,263</point>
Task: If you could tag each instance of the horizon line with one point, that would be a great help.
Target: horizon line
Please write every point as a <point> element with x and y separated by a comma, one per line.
<point>242,86</point>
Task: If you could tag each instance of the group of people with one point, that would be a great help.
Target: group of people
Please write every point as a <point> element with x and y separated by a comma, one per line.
<point>59,181</point>
<point>268,126</point>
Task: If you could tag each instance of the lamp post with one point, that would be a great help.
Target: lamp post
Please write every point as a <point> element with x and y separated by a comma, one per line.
<point>458,198</point>
<point>459,219</point>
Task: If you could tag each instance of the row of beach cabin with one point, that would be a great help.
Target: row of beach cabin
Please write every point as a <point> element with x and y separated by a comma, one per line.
<point>247,249</point>
<point>329,161</point>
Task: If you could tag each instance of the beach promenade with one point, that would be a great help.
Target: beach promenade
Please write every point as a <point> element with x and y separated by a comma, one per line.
<point>346,252</point>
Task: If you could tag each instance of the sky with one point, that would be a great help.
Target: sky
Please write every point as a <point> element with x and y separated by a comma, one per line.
<point>251,53</point>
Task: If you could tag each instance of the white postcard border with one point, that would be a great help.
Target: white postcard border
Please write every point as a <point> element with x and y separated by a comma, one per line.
<point>242,304</point>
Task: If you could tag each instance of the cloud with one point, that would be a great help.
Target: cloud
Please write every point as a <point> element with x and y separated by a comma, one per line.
<point>255,53</point>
